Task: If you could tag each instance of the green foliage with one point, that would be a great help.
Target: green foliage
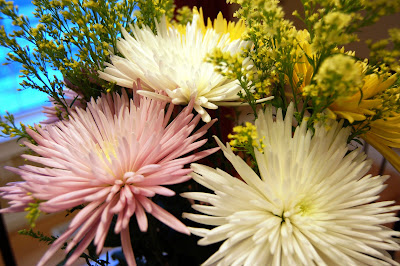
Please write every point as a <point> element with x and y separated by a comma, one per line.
<point>152,11</point>
<point>184,15</point>
<point>75,38</point>
<point>245,139</point>
<point>10,129</point>
<point>310,67</point>
<point>50,240</point>
<point>38,235</point>
<point>234,67</point>
<point>273,50</point>
<point>386,52</point>
<point>361,12</point>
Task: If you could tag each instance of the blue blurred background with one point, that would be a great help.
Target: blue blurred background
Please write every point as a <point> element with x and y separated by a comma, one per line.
<point>25,105</point>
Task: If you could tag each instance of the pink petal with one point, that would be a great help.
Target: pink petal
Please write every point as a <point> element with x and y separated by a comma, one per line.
<point>89,224</point>
<point>169,219</point>
<point>85,213</point>
<point>178,180</point>
<point>127,247</point>
<point>100,241</point>
<point>55,246</point>
<point>162,190</point>
<point>141,218</point>
<point>82,246</point>
<point>145,202</point>
<point>202,154</point>
<point>100,195</point>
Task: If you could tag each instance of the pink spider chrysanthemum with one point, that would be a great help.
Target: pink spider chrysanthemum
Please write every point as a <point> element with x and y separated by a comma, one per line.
<point>112,158</point>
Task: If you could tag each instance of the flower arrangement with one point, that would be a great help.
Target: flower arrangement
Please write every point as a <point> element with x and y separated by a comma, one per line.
<point>143,88</point>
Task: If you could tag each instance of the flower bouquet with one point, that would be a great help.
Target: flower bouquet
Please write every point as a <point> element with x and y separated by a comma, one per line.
<point>135,137</point>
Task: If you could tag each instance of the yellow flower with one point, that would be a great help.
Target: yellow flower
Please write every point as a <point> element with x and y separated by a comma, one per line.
<point>220,25</point>
<point>303,70</point>
<point>338,77</point>
<point>384,133</point>
<point>352,109</point>
<point>245,136</point>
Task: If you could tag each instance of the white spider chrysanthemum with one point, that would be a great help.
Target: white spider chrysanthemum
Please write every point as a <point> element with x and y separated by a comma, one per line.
<point>311,205</point>
<point>174,63</point>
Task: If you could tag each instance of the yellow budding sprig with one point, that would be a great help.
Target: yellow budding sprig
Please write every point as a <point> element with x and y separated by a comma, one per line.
<point>9,129</point>
<point>33,212</point>
<point>183,16</point>
<point>151,11</point>
<point>386,52</point>
<point>75,38</point>
<point>273,52</point>
<point>390,102</point>
<point>245,139</point>
<point>239,68</point>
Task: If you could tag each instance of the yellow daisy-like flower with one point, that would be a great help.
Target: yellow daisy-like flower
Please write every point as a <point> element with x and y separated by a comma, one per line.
<point>383,136</point>
<point>303,70</point>
<point>352,109</point>
<point>384,133</point>
<point>221,25</point>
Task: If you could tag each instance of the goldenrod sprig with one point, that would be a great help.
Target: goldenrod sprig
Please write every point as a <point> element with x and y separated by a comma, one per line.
<point>50,240</point>
<point>73,37</point>
<point>386,52</point>
<point>273,39</point>
<point>33,212</point>
<point>245,139</point>
<point>10,129</point>
<point>235,67</point>
<point>184,15</point>
<point>151,11</point>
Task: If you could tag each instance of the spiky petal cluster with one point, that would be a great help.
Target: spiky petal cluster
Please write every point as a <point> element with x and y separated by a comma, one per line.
<point>18,197</point>
<point>311,204</point>
<point>112,158</point>
<point>175,63</point>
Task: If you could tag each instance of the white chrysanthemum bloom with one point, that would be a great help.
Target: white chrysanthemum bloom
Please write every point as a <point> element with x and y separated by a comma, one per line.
<point>174,63</point>
<point>311,205</point>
